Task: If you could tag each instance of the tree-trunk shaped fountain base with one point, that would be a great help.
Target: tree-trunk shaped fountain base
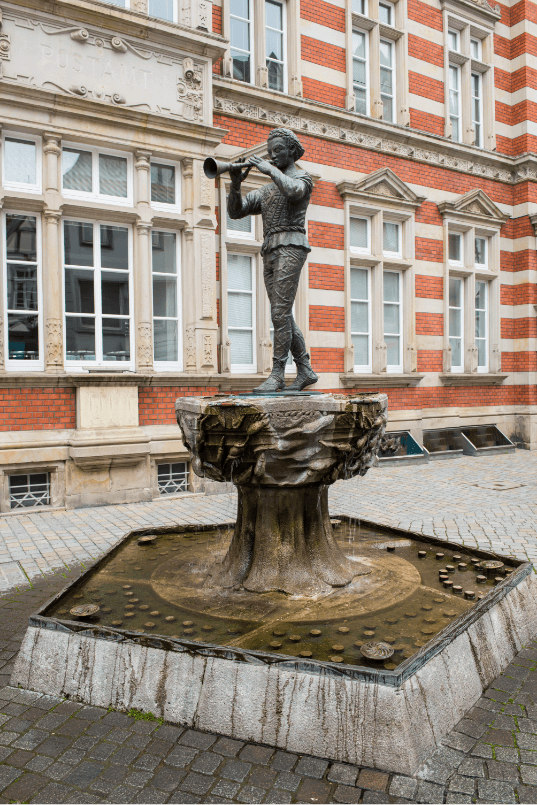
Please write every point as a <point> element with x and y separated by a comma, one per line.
<point>282,453</point>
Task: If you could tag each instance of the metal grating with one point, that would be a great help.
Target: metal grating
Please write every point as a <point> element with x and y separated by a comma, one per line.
<point>29,490</point>
<point>172,478</point>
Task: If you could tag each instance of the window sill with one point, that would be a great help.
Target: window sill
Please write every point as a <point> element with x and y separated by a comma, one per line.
<point>472,379</point>
<point>352,380</point>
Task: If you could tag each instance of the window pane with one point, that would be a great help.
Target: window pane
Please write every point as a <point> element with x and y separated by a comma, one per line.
<point>21,287</point>
<point>20,161</point>
<point>164,252</point>
<point>481,352</point>
<point>390,237</point>
<point>112,176</point>
<point>358,233</point>
<point>358,6</point>
<point>274,15</point>
<point>453,103</point>
<point>385,14</point>
<point>241,66</point>
<point>359,288</point>
<point>480,252</point>
<point>116,345</point>
<point>78,243</point>
<point>455,292</point>
<point>454,78</point>
<point>164,296</point>
<point>120,3</point>
<point>77,170</point>
<point>80,338</point>
<point>385,52</point>
<point>358,44</point>
<point>239,272</point>
<point>240,224</point>
<point>115,293</point>
<point>239,309</point>
<point>392,344</point>
<point>23,337</point>
<point>359,317</point>
<point>480,324</point>
<point>29,490</point>
<point>275,75</point>
<point>481,295</point>
<point>385,81</point>
<point>455,129</point>
<point>161,8</point>
<point>114,247</point>
<point>165,341</point>
<point>456,351</point>
<point>453,40</point>
<point>21,241</point>
<point>240,8</point>
<point>241,347</point>
<point>391,286</point>
<point>387,109</point>
<point>361,103</point>
<point>163,184</point>
<point>361,349</point>
<point>454,248</point>
<point>455,322</point>
<point>79,291</point>
<point>391,319</point>
<point>240,34</point>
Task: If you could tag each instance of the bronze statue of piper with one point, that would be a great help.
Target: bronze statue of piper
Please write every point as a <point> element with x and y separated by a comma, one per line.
<point>282,205</point>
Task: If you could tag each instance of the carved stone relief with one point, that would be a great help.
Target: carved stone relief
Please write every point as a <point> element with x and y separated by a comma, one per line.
<point>54,345</point>
<point>207,276</point>
<point>86,63</point>
<point>191,348</point>
<point>145,346</point>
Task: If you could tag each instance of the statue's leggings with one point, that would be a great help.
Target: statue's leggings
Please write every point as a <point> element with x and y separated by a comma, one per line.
<point>281,270</point>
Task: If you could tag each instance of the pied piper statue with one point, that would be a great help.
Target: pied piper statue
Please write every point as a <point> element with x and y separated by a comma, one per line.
<point>282,205</point>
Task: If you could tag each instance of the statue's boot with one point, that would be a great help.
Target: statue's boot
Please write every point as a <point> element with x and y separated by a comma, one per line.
<point>305,375</point>
<point>276,379</point>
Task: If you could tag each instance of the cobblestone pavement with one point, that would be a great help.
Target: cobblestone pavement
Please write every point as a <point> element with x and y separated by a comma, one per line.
<point>60,751</point>
<point>439,499</point>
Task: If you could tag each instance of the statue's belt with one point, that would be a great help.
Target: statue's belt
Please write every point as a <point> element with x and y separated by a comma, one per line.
<point>276,229</point>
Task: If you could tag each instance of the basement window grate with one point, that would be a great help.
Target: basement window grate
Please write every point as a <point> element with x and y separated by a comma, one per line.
<point>29,490</point>
<point>172,478</point>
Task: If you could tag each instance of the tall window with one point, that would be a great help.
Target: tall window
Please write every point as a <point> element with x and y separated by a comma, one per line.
<point>387,79</point>
<point>241,313</point>
<point>165,185</point>
<point>455,101</point>
<point>86,173</point>
<point>164,9</point>
<point>21,163</point>
<point>386,13</point>
<point>456,323</point>
<point>455,248</point>
<point>361,318</point>
<point>393,320</point>
<point>481,252</point>
<point>481,325</point>
<point>476,49</point>
<point>360,71</point>
<point>359,234</point>
<point>241,39</point>
<point>22,290</point>
<point>359,7</point>
<point>166,306</point>
<point>391,239</point>
<point>454,40</point>
<point>97,293</point>
<point>275,41</point>
<point>477,108</point>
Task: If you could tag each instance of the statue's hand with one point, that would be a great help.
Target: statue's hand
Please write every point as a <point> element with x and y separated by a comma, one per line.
<point>261,164</point>
<point>239,171</point>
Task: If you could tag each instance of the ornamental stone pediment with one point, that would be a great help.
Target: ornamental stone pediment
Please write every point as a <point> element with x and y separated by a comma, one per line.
<point>39,52</point>
<point>475,205</point>
<point>381,186</point>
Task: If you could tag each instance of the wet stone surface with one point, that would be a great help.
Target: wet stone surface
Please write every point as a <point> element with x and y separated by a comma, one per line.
<point>55,751</point>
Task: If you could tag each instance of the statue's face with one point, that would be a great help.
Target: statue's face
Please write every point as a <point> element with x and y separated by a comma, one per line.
<point>280,153</point>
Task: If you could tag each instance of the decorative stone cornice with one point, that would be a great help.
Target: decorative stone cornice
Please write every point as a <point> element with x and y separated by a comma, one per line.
<point>475,206</point>
<point>478,10</point>
<point>350,380</point>
<point>382,186</point>
<point>472,379</point>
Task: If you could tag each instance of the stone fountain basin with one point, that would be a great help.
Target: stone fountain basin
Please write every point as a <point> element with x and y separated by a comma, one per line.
<point>386,719</point>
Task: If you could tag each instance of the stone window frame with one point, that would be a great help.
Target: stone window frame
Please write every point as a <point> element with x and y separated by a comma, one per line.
<point>126,366</point>
<point>96,197</point>
<point>473,215</point>
<point>56,470</point>
<point>22,365</point>
<point>19,187</point>
<point>471,22</point>
<point>382,196</point>
<point>376,31</point>
<point>178,365</point>
<point>259,71</point>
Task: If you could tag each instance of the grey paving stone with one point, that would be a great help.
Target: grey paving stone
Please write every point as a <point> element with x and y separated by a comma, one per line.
<point>262,777</point>
<point>72,756</point>
<point>57,771</point>
<point>472,728</point>
<point>462,785</point>
<point>25,787</point>
<point>51,721</point>
<point>122,794</point>
<point>102,751</point>
<point>458,799</point>
<point>313,790</point>
<point>459,741</point>
<point>149,795</point>
<point>527,725</point>
<point>198,740</point>
<point>225,788</point>
<point>206,763</point>
<point>117,720</point>
<point>429,792</point>
<point>527,794</point>
<point>39,763</point>
<point>375,797</point>
<point>30,739</point>
<point>251,794</point>
<point>283,761</point>
<point>108,780</point>
<point>54,746</point>
<point>251,753</point>
<point>495,791</point>
<point>435,772</point>
<point>506,753</point>
<point>52,793</point>
<point>347,793</point>
<point>403,787</point>
<point>7,775</point>
<point>138,778</point>
<point>526,740</point>
<point>144,727</point>
<point>227,747</point>
<point>167,779</point>
<point>147,762</point>
<point>502,771</point>
<point>527,756</point>
<point>118,736</point>
<point>124,756</point>
<point>311,767</point>
<point>169,733</point>
<point>182,797</point>
<point>277,796</point>
<point>528,774</point>
<point>482,750</point>
<point>85,742</point>
<point>287,781</point>
<point>181,756</point>
<point>84,774</point>
<point>196,783</point>
<point>341,773</point>
<point>91,713</point>
<point>7,738</point>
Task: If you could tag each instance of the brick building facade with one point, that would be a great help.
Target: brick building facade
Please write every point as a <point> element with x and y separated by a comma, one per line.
<point>126,286</point>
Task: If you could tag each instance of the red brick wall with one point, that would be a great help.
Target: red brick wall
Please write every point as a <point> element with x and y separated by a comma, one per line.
<point>323,14</point>
<point>424,121</point>
<point>426,87</point>
<point>424,13</point>
<point>429,324</point>
<point>429,360</point>
<point>429,287</point>
<point>331,319</point>
<point>327,359</point>
<point>328,278</point>
<point>326,194</point>
<point>425,50</point>
<point>431,250</point>
<point>323,53</point>
<point>157,403</point>
<point>328,236</point>
<point>323,93</point>
<point>37,409</point>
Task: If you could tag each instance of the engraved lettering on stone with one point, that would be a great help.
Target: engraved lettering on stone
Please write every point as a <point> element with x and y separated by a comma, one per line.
<point>206,276</point>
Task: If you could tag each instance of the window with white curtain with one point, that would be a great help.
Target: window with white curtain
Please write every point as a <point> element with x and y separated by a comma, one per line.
<point>361,318</point>
<point>275,43</point>
<point>164,9</point>
<point>89,173</point>
<point>22,291</point>
<point>477,107</point>
<point>167,346</point>
<point>21,162</point>
<point>391,239</point>
<point>456,323</point>
<point>241,227</point>
<point>360,71</point>
<point>97,293</point>
<point>455,101</point>
<point>359,237</point>
<point>481,324</point>
<point>387,79</point>
<point>393,330</point>
<point>240,17</point>
<point>241,311</point>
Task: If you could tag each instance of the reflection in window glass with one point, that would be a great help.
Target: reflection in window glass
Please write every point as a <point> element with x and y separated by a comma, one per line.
<point>481,251</point>
<point>392,319</point>
<point>359,70</point>
<point>391,237</point>
<point>162,183</point>
<point>112,176</point>
<point>240,309</point>
<point>481,324</point>
<point>114,247</point>
<point>456,323</point>
<point>360,317</point>
<point>165,297</point>
<point>241,226</point>
<point>22,288</point>
<point>274,30</point>
<point>240,38</point>
<point>77,170</point>
<point>455,248</point>
<point>20,161</point>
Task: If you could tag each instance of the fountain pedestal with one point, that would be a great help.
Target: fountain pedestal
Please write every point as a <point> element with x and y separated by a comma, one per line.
<point>282,452</point>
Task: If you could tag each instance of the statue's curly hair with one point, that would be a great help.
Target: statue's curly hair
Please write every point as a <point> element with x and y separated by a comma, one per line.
<point>292,140</point>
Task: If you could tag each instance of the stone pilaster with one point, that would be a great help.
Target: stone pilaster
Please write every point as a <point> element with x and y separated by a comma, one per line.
<point>142,263</point>
<point>52,263</point>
